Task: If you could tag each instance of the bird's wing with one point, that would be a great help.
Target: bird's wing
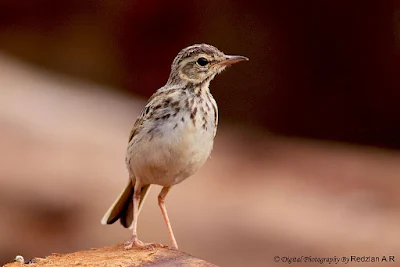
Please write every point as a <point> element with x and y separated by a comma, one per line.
<point>138,123</point>
<point>142,117</point>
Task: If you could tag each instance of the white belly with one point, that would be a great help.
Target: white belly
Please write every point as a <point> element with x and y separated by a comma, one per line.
<point>175,152</point>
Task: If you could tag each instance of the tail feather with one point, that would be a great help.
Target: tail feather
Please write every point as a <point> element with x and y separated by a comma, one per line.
<point>122,208</point>
<point>126,218</point>
<point>118,207</point>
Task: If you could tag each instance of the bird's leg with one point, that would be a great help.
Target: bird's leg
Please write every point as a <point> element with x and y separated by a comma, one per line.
<point>136,200</point>
<point>161,203</point>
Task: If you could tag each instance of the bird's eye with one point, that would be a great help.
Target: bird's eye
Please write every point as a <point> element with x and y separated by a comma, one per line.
<point>202,61</point>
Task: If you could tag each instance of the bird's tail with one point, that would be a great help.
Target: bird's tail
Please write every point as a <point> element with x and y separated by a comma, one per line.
<point>122,208</point>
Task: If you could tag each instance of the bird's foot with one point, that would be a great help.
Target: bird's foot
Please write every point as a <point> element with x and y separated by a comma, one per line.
<point>139,244</point>
<point>174,247</point>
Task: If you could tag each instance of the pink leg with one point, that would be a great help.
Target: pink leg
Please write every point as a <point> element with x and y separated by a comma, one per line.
<point>161,203</point>
<point>136,201</point>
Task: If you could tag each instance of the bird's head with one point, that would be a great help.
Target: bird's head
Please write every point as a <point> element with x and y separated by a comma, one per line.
<point>200,63</point>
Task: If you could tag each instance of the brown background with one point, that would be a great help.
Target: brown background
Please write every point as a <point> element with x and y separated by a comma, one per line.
<point>305,161</point>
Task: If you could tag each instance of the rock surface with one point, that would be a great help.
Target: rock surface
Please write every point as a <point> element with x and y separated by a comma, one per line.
<point>118,256</point>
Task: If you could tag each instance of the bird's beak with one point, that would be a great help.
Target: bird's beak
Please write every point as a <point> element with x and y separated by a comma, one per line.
<point>231,60</point>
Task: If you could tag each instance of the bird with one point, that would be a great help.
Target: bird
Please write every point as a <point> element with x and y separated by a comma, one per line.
<point>173,136</point>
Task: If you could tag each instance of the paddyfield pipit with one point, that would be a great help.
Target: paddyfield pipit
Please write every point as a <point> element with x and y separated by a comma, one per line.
<point>173,136</point>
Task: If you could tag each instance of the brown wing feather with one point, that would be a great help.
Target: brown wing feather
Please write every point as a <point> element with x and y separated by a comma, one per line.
<point>135,127</point>
<point>142,117</point>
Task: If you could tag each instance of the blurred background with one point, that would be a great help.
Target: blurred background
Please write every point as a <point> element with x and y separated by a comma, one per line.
<point>306,160</point>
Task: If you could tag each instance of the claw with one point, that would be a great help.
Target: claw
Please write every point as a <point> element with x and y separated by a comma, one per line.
<point>139,244</point>
<point>128,245</point>
<point>174,247</point>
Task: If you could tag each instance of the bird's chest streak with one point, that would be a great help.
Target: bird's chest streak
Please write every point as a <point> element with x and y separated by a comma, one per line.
<point>179,144</point>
